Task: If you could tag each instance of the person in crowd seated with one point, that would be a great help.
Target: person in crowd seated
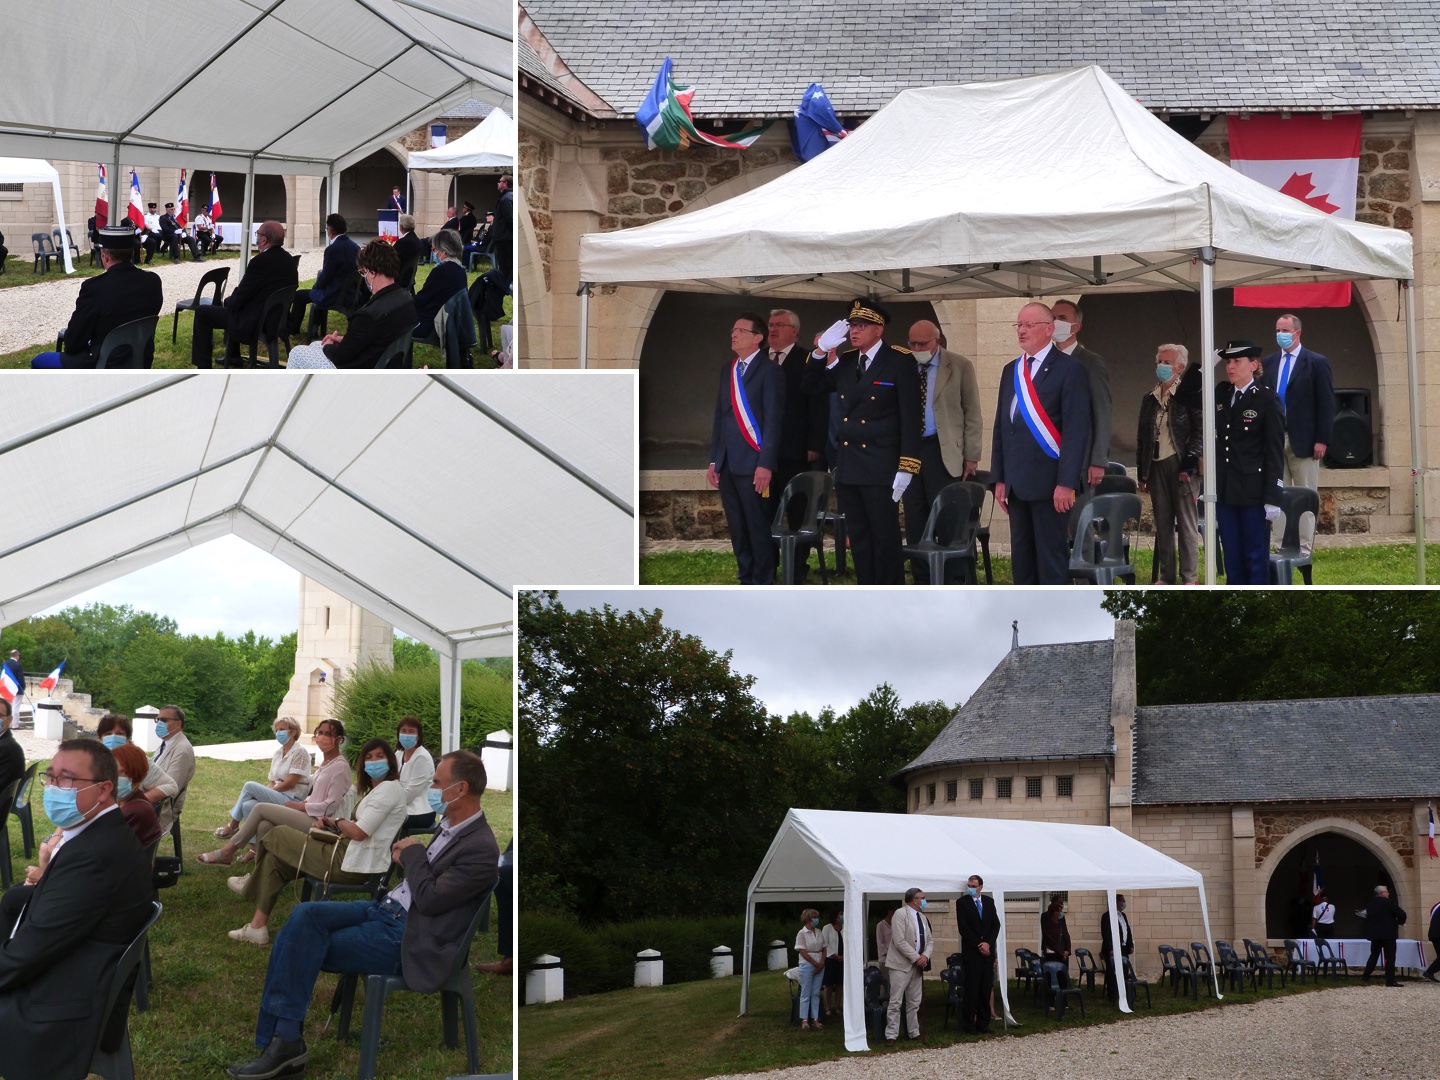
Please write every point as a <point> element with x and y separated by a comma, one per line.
<point>179,762</point>
<point>412,932</point>
<point>273,268</point>
<point>12,755</point>
<point>173,235</point>
<point>115,730</point>
<point>1055,938</point>
<point>388,315</point>
<point>352,851</point>
<point>451,221</point>
<point>328,787</point>
<point>139,814</point>
<point>417,768</point>
<point>289,777</point>
<point>122,294</point>
<point>444,281</point>
<point>204,230</point>
<point>408,246</point>
<point>5,251</point>
<point>61,937</point>
<point>150,232</point>
<point>329,288</point>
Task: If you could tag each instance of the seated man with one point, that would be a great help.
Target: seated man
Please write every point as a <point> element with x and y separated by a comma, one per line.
<point>122,294</point>
<point>409,246</point>
<point>389,313</point>
<point>273,268</point>
<point>176,757</point>
<point>413,931</point>
<point>451,221</point>
<point>60,937</point>
<point>150,232</point>
<point>327,292</point>
<point>4,251</point>
<point>173,235</point>
<point>204,230</point>
<point>12,755</point>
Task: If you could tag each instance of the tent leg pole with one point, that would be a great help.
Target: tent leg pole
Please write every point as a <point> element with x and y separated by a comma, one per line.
<point>247,217</point>
<point>1207,369</point>
<point>1417,455</point>
<point>746,953</point>
<point>112,189</point>
<point>584,324</point>
<point>1000,947</point>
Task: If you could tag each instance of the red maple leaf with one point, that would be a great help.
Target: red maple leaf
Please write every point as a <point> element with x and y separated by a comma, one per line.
<point>1300,185</point>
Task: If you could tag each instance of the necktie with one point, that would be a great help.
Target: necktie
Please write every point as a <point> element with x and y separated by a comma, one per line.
<point>920,925</point>
<point>743,365</point>
<point>775,355</point>
<point>979,908</point>
<point>1284,383</point>
<point>924,395</point>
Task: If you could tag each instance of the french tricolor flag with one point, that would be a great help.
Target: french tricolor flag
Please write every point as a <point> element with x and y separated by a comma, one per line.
<point>9,690</point>
<point>1430,808</point>
<point>1308,158</point>
<point>52,680</point>
<point>102,203</point>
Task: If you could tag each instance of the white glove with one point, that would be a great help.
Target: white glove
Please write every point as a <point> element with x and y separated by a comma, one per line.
<point>1272,513</point>
<point>834,336</point>
<point>902,481</point>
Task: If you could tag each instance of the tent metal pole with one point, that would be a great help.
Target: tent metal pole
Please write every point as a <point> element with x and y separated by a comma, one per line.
<point>852,1005</point>
<point>746,953</point>
<point>1117,953</point>
<point>1417,452</point>
<point>584,324</point>
<point>247,217</point>
<point>449,700</point>
<point>1207,370</point>
<point>112,189</point>
<point>1209,941</point>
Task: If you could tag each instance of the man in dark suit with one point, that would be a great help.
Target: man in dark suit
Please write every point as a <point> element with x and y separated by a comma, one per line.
<point>878,395</point>
<point>330,288</point>
<point>414,931</point>
<point>1430,971</point>
<point>1037,455</point>
<point>172,235</point>
<point>122,294</point>
<point>408,246</point>
<point>60,936</point>
<point>467,223</point>
<point>1249,456</point>
<point>979,928</point>
<point>1383,919</point>
<point>397,200</point>
<point>273,268</point>
<point>1107,945</point>
<point>12,755</point>
<point>1069,317</point>
<point>451,221</point>
<point>744,445</point>
<point>502,233</point>
<point>1301,378</point>
<point>802,432</point>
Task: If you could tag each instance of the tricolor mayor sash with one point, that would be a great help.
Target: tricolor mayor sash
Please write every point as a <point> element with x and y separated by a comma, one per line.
<point>1036,418</point>
<point>740,405</point>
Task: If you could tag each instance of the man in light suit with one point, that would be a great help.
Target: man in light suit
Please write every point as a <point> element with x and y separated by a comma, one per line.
<point>911,943</point>
<point>979,928</point>
<point>1107,945</point>
<point>745,445</point>
<point>1302,379</point>
<point>62,935</point>
<point>1068,316</point>
<point>950,436</point>
<point>177,758</point>
<point>1038,469</point>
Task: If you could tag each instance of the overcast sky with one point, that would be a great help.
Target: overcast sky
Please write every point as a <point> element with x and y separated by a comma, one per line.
<point>809,648</point>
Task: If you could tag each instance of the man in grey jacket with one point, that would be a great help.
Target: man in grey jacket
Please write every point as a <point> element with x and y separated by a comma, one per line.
<point>1068,321</point>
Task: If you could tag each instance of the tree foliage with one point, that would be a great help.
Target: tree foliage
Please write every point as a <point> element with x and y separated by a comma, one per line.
<point>372,699</point>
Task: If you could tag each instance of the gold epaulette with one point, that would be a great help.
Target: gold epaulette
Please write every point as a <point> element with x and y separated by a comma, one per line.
<point>901,349</point>
<point>910,465</point>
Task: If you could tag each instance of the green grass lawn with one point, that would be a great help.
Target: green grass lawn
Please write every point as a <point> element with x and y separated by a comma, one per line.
<point>177,354</point>
<point>692,1030</point>
<point>207,988</point>
<point>20,268</point>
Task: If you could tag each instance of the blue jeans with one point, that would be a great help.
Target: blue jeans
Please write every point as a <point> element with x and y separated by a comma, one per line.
<point>255,792</point>
<point>810,991</point>
<point>46,360</point>
<point>357,937</point>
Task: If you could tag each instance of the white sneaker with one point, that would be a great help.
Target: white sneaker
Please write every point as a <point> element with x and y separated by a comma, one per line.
<point>255,936</point>
<point>237,884</point>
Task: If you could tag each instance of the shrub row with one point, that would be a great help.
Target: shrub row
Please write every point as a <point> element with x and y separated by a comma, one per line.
<point>372,699</point>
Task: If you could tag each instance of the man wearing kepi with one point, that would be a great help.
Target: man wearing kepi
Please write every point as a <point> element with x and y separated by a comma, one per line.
<point>879,451</point>
<point>911,943</point>
<point>122,294</point>
<point>744,444</point>
<point>1037,455</point>
<point>1249,456</point>
<point>1302,380</point>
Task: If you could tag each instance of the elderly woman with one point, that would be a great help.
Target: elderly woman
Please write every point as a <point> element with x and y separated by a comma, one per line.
<point>445,281</point>
<point>1167,453</point>
<point>289,777</point>
<point>388,315</point>
<point>810,948</point>
<point>360,849</point>
<point>417,769</point>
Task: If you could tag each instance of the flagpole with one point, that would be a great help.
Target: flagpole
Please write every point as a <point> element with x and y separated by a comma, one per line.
<point>112,189</point>
<point>1207,372</point>
<point>1417,455</point>
<point>584,323</point>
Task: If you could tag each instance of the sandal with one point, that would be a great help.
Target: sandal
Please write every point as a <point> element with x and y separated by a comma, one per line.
<point>212,858</point>
<point>248,857</point>
<point>804,1025</point>
<point>227,831</point>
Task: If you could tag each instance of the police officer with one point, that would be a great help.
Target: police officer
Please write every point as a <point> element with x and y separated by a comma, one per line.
<point>1249,461</point>
<point>878,394</point>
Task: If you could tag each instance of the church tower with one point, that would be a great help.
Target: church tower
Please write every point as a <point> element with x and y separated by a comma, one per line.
<point>334,636</point>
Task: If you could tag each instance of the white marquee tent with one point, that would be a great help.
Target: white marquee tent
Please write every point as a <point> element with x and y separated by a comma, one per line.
<point>835,857</point>
<point>1047,185</point>
<point>35,171</point>
<point>428,500</point>
<point>489,145</point>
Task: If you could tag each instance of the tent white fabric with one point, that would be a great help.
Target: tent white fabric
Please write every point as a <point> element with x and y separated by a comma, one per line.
<point>35,171</point>
<point>840,856</point>
<point>1030,187</point>
<point>490,144</point>
<point>426,499</point>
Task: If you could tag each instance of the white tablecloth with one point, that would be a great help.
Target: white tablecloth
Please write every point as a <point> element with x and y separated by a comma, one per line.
<point>1409,953</point>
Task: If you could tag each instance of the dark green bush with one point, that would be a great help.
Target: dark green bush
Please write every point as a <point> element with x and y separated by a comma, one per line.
<point>372,699</point>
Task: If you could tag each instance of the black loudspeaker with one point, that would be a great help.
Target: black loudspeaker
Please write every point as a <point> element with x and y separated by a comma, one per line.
<point>1352,442</point>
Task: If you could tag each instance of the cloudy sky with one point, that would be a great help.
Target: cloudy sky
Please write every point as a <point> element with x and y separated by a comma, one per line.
<point>809,648</point>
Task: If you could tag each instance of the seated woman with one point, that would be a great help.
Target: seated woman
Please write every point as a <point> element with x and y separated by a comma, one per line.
<point>138,812</point>
<point>289,777</point>
<point>361,850</point>
<point>444,281</point>
<point>389,314</point>
<point>1055,938</point>
<point>157,785</point>
<point>417,769</point>
<point>327,787</point>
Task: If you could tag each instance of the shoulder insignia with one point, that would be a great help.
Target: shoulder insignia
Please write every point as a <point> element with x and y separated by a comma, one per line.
<point>901,349</point>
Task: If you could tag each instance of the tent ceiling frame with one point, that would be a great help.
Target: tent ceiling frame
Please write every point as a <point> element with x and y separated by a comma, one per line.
<point>494,31</point>
<point>441,54</point>
<point>360,150</point>
<point>95,410</point>
<point>274,435</point>
<point>114,139</point>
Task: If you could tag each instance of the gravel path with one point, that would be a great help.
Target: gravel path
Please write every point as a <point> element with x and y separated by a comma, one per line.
<point>1352,1031</point>
<point>32,314</point>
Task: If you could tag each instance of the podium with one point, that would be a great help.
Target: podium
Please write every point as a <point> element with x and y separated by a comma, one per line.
<point>388,224</point>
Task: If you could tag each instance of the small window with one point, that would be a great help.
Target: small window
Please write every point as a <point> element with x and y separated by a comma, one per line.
<point>917,798</point>
<point>1032,787</point>
<point>977,789</point>
<point>930,794</point>
<point>1065,786</point>
<point>1002,786</point>
<point>952,789</point>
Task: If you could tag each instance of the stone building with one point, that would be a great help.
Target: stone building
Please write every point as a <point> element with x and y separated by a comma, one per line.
<point>1248,793</point>
<point>334,637</point>
<point>584,168</point>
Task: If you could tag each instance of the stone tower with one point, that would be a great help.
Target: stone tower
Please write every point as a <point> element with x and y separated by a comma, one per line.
<point>334,636</point>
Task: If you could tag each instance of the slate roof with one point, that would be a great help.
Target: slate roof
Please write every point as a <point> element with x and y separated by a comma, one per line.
<point>1258,751</point>
<point>530,64</point>
<point>752,58</point>
<point>469,109</point>
<point>1040,702</point>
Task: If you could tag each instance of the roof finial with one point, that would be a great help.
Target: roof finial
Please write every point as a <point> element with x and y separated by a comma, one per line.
<point>1015,634</point>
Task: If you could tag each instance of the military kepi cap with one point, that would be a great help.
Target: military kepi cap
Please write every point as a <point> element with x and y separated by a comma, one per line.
<point>1240,347</point>
<point>117,237</point>
<point>867,311</point>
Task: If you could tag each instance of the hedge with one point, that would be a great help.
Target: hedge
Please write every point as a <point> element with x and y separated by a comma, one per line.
<point>373,698</point>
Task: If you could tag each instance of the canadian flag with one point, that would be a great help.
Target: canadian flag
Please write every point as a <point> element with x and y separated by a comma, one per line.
<point>1308,158</point>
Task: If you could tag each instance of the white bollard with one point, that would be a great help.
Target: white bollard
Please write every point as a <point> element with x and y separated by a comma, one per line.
<point>144,725</point>
<point>649,968</point>
<point>778,958</point>
<point>722,962</point>
<point>545,982</point>
<point>49,720</point>
<point>499,761</point>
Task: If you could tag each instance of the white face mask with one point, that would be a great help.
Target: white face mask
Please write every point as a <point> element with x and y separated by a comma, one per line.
<point>1063,330</point>
<point>922,356</point>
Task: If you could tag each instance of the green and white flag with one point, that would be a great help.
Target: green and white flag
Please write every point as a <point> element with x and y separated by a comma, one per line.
<point>664,117</point>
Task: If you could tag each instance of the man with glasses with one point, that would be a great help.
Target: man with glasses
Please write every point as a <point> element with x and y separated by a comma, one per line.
<point>911,944</point>
<point>176,757</point>
<point>1037,456</point>
<point>271,269</point>
<point>61,936</point>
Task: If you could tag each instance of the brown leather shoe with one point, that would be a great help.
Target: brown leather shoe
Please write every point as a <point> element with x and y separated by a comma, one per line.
<point>502,966</point>
<point>889,1042</point>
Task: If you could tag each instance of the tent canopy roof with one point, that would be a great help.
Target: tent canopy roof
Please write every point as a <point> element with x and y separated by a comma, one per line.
<point>26,171</point>
<point>426,500</point>
<point>1032,186</point>
<point>489,145</point>
<point>299,85</point>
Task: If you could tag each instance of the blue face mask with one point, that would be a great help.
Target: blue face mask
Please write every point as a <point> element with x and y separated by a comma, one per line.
<point>282,736</point>
<point>408,740</point>
<point>969,891</point>
<point>123,788</point>
<point>60,807</point>
<point>1164,372</point>
<point>922,903</point>
<point>1284,340</point>
<point>161,729</point>
<point>437,800</point>
<point>112,741</point>
<point>377,769</point>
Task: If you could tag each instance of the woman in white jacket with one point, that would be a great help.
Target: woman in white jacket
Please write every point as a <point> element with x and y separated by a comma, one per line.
<point>417,768</point>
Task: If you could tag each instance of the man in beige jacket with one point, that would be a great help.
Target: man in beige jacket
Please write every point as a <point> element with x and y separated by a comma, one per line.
<point>911,943</point>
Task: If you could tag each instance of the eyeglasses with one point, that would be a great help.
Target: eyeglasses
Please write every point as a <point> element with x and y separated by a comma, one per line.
<point>920,344</point>
<point>49,779</point>
<point>1031,325</point>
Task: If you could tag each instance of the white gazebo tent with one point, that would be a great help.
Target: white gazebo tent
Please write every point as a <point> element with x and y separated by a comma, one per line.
<point>35,171</point>
<point>427,500</point>
<point>834,856</point>
<point>1036,186</point>
<point>489,145</point>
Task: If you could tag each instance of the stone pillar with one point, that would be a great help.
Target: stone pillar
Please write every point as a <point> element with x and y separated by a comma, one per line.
<point>1248,908</point>
<point>649,968</point>
<point>722,962</point>
<point>778,958</point>
<point>545,982</point>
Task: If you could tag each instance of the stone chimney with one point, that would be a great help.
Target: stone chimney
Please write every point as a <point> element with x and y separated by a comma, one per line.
<point>1014,635</point>
<point>1122,724</point>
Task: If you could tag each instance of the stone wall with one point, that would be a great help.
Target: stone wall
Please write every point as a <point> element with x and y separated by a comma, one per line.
<point>1085,806</point>
<point>537,156</point>
<point>646,185</point>
<point>1393,825</point>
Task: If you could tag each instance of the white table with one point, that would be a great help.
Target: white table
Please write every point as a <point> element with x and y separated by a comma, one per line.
<point>1409,952</point>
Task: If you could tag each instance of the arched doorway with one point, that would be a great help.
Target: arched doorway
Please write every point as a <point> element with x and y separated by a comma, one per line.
<point>1350,870</point>
<point>365,187</point>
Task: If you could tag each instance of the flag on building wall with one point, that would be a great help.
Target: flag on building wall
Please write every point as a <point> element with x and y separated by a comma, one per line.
<point>1308,158</point>
<point>437,135</point>
<point>1430,808</point>
<point>182,202</point>
<point>136,213</point>
<point>214,198</point>
<point>102,203</point>
<point>52,680</point>
<point>1317,886</point>
<point>816,128</point>
<point>664,117</point>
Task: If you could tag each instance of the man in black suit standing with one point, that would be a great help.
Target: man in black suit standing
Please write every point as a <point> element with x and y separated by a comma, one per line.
<point>879,435</point>
<point>1430,971</point>
<point>979,929</point>
<point>744,445</point>
<point>60,936</point>
<point>272,268</point>
<point>1107,945</point>
<point>1302,379</point>
<point>122,294</point>
<point>1383,918</point>
<point>1068,321</point>
<point>502,233</point>
<point>802,433</point>
<point>1038,452</point>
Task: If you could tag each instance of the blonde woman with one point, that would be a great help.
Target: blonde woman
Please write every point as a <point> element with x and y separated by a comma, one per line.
<point>289,777</point>
<point>810,947</point>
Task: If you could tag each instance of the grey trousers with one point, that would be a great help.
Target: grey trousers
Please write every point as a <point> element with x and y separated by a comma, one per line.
<point>1174,507</point>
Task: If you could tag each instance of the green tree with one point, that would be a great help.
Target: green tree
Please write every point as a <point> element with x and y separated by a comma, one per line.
<point>413,654</point>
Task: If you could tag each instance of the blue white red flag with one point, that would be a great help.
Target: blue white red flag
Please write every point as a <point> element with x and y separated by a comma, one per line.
<point>52,680</point>
<point>136,213</point>
<point>214,198</point>
<point>9,689</point>
<point>740,404</point>
<point>1318,885</point>
<point>102,203</point>
<point>182,202</point>
<point>1431,810</point>
<point>1036,418</point>
<point>816,127</point>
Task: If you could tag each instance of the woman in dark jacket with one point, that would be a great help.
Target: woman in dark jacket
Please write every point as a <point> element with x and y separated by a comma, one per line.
<point>388,315</point>
<point>1167,454</point>
<point>1055,938</point>
<point>444,281</point>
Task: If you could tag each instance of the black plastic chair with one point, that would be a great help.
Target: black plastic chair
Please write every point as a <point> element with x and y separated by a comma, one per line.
<point>137,336</point>
<point>954,979</point>
<point>1294,502</point>
<point>215,277</point>
<point>1327,962</point>
<point>142,977</point>
<point>1085,961</point>
<point>1111,484</point>
<point>22,810</point>
<point>1114,468</point>
<point>1296,963</point>
<point>396,354</point>
<point>347,303</point>
<point>61,245</point>
<point>1203,964</point>
<point>1235,970</point>
<point>1167,966</point>
<point>1185,973</point>
<point>408,268</point>
<point>1262,963</point>
<point>276,308</point>
<point>877,999</point>
<point>1025,970</point>
<point>1059,995</point>
<point>44,251</point>
<point>835,519</point>
<point>950,531</point>
<point>982,534</point>
<point>1132,983</point>
<point>7,802</point>
<point>110,1056</point>
<point>812,490</point>
<point>1099,555</point>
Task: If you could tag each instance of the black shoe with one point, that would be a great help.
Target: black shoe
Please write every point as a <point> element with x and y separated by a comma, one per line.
<point>280,1058</point>
<point>1395,984</point>
<point>1427,975</point>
